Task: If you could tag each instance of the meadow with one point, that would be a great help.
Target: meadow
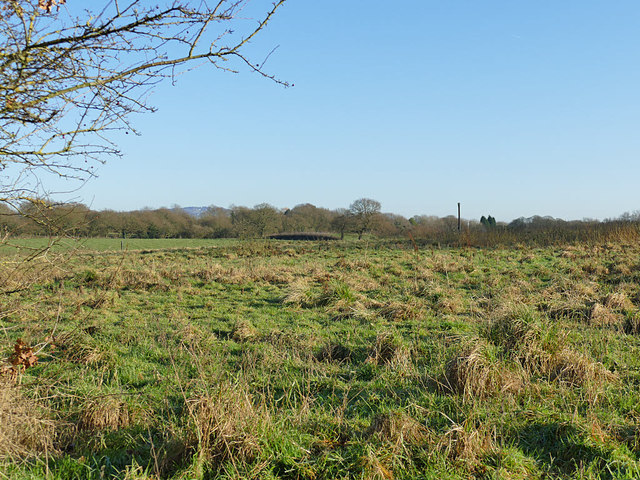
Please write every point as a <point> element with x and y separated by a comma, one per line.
<point>24,245</point>
<point>321,360</point>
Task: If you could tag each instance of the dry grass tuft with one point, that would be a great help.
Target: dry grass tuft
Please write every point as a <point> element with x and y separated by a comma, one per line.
<point>24,430</point>
<point>478,373</point>
<point>593,267</point>
<point>192,335</point>
<point>298,293</point>
<point>576,369</point>
<point>243,331</point>
<point>618,301</point>
<point>341,301</point>
<point>572,309</point>
<point>271,274</point>
<point>624,269</point>
<point>541,350</point>
<point>295,343</point>
<point>333,291</point>
<point>399,433</point>
<point>375,467</point>
<point>389,350</point>
<point>443,263</point>
<point>584,289</point>
<point>107,412</point>
<point>466,444</point>
<point>148,279</point>
<point>343,309</point>
<point>398,429</point>
<point>448,301</point>
<point>396,311</point>
<point>603,315</point>
<point>226,424</point>
<point>516,327</point>
<point>81,349</point>
<point>102,299</point>
<point>568,302</point>
<point>526,338</point>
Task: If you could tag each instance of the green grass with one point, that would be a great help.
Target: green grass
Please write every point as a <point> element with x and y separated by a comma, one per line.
<point>229,359</point>
<point>18,245</point>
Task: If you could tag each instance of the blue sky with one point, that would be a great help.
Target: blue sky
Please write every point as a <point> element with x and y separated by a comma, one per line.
<point>513,108</point>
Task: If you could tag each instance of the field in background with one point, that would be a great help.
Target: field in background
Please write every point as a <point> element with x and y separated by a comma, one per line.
<point>321,360</point>
<point>21,245</point>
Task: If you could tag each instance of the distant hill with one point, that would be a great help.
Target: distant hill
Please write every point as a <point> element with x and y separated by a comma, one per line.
<point>195,211</point>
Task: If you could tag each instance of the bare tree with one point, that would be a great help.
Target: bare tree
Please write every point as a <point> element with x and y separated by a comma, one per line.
<point>364,212</point>
<point>71,77</point>
<point>341,222</point>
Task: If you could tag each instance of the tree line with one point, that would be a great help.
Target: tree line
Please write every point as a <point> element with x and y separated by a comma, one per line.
<point>362,217</point>
<point>41,218</point>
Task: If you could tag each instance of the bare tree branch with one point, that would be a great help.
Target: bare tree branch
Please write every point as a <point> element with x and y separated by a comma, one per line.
<point>68,81</point>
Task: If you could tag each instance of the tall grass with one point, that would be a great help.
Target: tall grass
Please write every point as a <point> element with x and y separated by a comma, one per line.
<point>283,360</point>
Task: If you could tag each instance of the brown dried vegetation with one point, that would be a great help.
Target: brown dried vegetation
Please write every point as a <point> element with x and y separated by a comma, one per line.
<point>25,429</point>
<point>467,444</point>
<point>226,424</point>
<point>398,429</point>
<point>243,331</point>
<point>106,412</point>
<point>477,373</point>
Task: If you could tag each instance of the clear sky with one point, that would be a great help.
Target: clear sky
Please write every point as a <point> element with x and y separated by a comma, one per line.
<point>511,107</point>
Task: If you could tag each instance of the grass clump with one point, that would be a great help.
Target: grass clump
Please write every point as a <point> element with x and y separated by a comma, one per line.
<point>341,301</point>
<point>25,429</point>
<point>542,350</point>
<point>467,444</point>
<point>298,293</point>
<point>243,331</point>
<point>618,301</point>
<point>478,372</point>
<point>226,425</point>
<point>336,291</point>
<point>107,412</point>
<point>577,369</point>
<point>603,315</point>
<point>398,429</point>
<point>396,310</point>
<point>388,349</point>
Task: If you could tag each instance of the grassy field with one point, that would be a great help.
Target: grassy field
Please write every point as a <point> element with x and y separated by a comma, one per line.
<point>281,360</point>
<point>24,245</point>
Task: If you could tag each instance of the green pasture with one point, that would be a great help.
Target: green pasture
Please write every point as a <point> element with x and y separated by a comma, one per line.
<point>181,359</point>
<point>25,245</point>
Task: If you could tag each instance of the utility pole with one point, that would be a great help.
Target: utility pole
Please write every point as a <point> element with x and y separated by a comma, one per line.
<point>459,221</point>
